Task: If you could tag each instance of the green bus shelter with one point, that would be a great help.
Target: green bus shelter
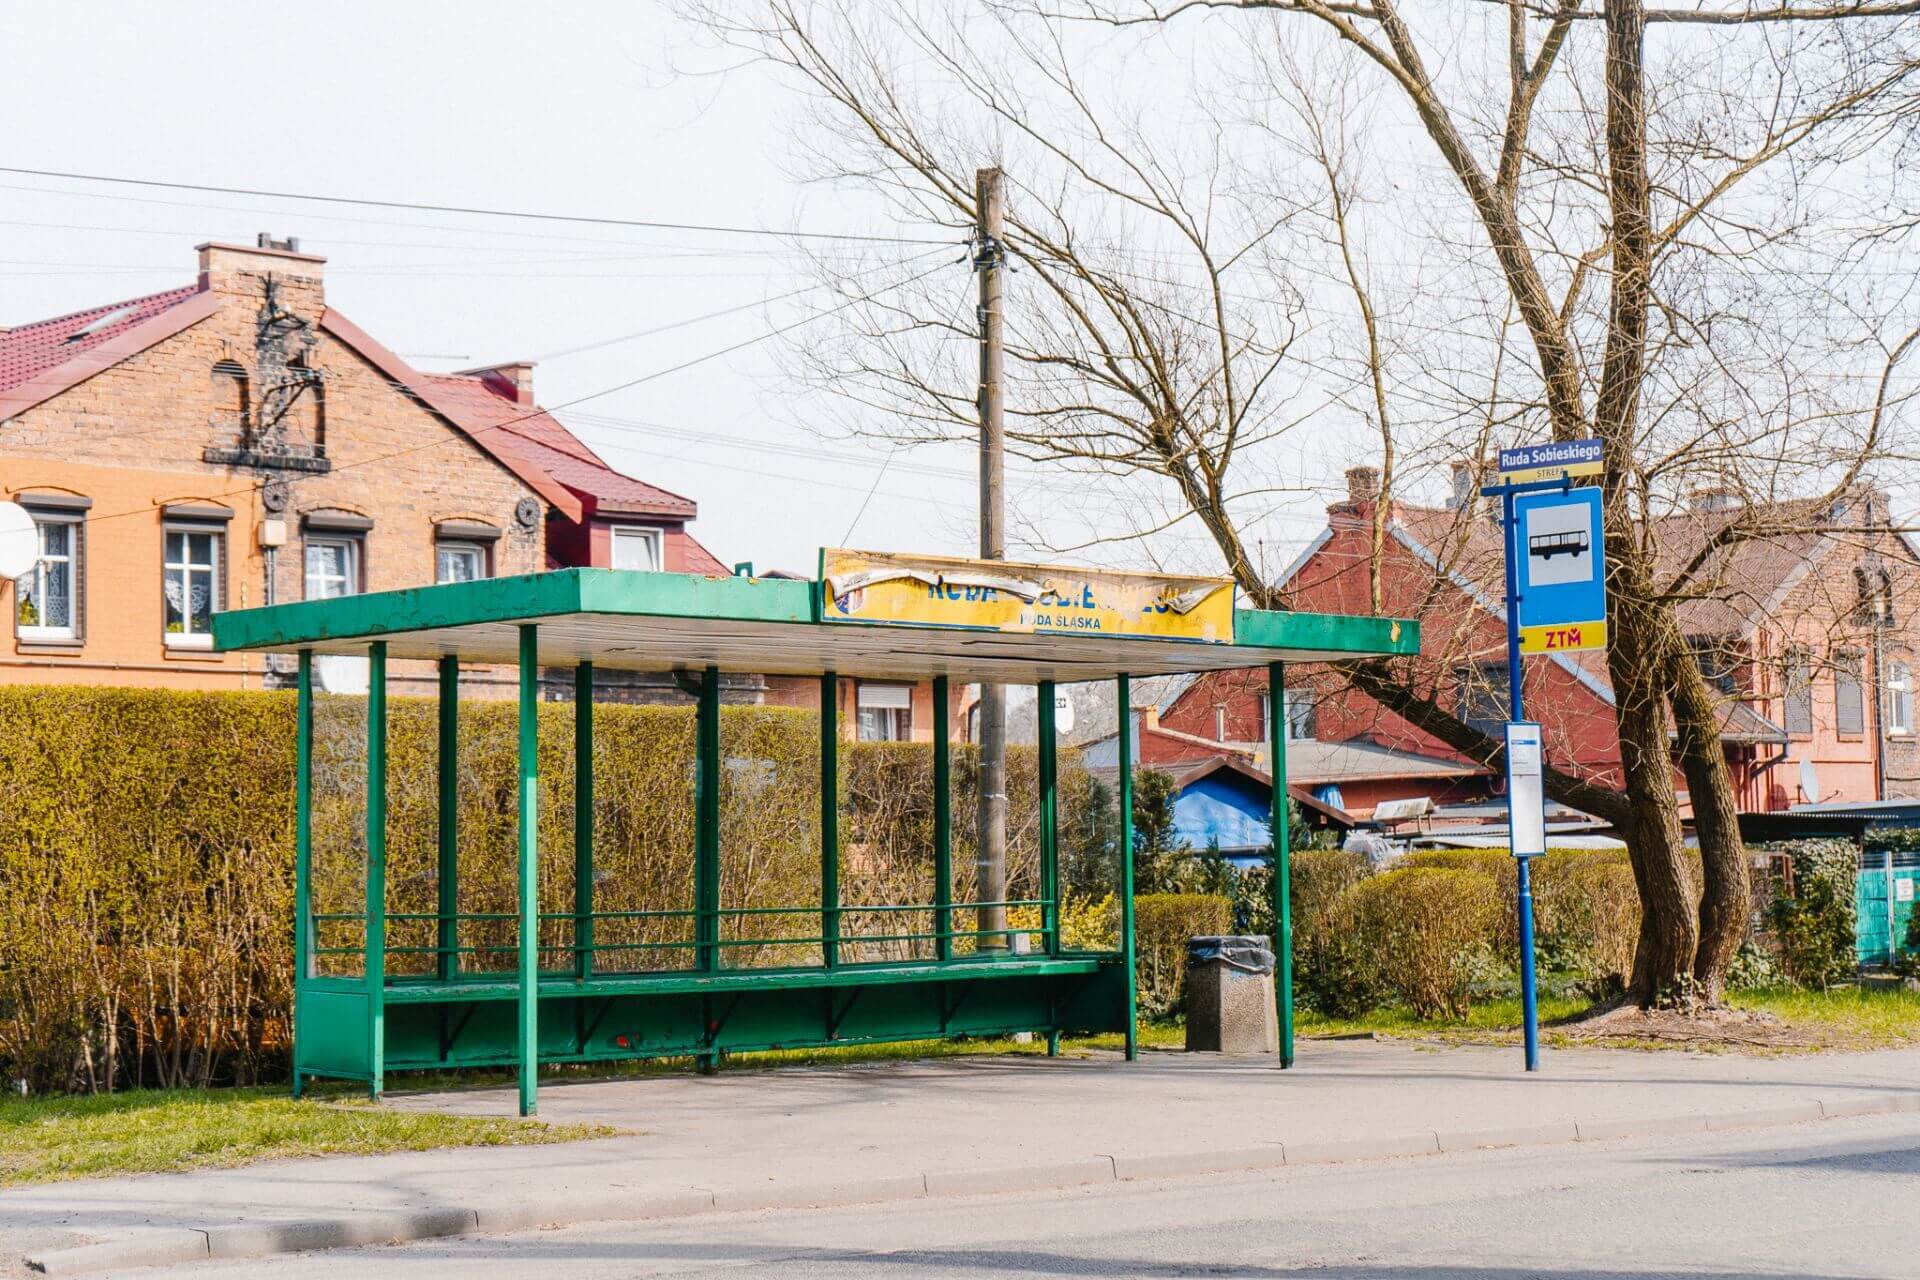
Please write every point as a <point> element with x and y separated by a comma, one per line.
<point>360,1021</point>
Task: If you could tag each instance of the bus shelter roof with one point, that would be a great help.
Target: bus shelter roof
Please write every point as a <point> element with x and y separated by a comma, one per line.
<point>771,626</point>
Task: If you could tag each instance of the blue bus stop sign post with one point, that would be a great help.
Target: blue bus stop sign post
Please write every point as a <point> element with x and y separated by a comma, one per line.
<point>1527,837</point>
<point>1556,602</point>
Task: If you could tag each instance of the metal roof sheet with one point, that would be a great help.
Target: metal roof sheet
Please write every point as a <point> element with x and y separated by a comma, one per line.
<point>670,621</point>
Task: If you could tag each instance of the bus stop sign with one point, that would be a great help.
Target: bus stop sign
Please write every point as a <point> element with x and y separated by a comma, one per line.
<point>1560,561</point>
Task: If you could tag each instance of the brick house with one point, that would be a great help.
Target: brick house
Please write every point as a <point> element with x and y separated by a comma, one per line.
<point>237,441</point>
<point>1807,633</point>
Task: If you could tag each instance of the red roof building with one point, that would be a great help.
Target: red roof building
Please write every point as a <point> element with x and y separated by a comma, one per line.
<point>239,441</point>
<point>1804,628</point>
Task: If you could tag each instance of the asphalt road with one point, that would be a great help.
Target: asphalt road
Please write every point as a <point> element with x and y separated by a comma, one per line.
<point>1836,1198</point>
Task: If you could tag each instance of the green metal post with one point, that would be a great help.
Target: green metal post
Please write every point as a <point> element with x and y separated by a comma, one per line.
<point>706,803</point>
<point>376,953</point>
<point>1282,857</point>
<point>302,850</point>
<point>1125,697</point>
<point>830,819</point>
<point>1049,822</point>
<point>942,824</point>
<point>706,848</point>
<point>583,820</point>
<point>1049,838</point>
<point>447,933</point>
<point>528,1029</point>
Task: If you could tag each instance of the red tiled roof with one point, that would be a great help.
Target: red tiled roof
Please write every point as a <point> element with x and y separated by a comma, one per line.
<point>40,360</point>
<point>538,437</point>
<point>32,349</point>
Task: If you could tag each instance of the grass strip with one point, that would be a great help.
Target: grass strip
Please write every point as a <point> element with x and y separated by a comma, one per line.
<point>164,1131</point>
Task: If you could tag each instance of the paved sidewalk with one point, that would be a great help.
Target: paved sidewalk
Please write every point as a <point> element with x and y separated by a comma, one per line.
<point>956,1126</point>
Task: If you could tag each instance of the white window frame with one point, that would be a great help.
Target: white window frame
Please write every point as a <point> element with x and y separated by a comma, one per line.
<point>351,564</point>
<point>465,547</point>
<point>649,535</point>
<point>188,639</point>
<point>1899,699</point>
<point>71,632</point>
<point>898,714</point>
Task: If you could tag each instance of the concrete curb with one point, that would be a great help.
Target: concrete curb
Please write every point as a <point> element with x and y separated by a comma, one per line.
<point>162,1247</point>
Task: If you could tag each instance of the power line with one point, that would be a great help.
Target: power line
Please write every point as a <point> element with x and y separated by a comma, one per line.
<point>475,211</point>
<point>577,400</point>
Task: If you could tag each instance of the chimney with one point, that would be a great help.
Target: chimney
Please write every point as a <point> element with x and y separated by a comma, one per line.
<point>235,268</point>
<point>514,377</point>
<point>1363,484</point>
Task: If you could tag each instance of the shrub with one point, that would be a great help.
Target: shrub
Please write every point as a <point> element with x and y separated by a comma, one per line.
<point>1332,970</point>
<point>1814,924</point>
<point>1587,912</point>
<point>146,858</point>
<point>1426,928</point>
<point>1162,924</point>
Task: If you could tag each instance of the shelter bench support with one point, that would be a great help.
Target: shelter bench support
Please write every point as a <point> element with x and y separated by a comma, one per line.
<point>1124,741</point>
<point>528,1021</point>
<point>942,823</point>
<point>447,927</point>
<point>302,841</point>
<point>375,968</point>
<point>1282,858</point>
<point>706,850</point>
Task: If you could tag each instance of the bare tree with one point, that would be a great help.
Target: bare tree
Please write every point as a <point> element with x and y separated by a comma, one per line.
<point>1174,327</point>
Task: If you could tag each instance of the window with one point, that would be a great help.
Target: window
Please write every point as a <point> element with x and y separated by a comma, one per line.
<point>1899,698</point>
<point>1300,710</point>
<point>227,391</point>
<point>460,562</point>
<point>1883,608</point>
<point>1483,696</point>
<point>636,548</point>
<point>333,568</point>
<point>190,583</point>
<point>885,710</point>
<point>1715,657</point>
<point>1799,694</point>
<point>47,597</point>
<point>1299,715</point>
<point>1849,711</point>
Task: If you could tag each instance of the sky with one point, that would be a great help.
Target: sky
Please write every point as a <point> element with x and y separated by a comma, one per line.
<point>652,344</point>
<point>586,110</point>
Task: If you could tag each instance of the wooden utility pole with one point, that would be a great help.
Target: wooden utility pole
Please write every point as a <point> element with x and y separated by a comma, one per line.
<point>989,261</point>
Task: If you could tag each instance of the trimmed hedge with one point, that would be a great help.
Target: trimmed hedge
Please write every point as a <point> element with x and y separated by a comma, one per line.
<point>1425,929</point>
<point>146,855</point>
<point>1162,923</point>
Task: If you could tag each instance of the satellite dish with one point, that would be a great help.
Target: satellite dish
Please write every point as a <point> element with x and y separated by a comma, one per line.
<point>1809,782</point>
<point>1062,712</point>
<point>19,541</point>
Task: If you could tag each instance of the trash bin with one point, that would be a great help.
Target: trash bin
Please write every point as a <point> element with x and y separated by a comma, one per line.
<point>1230,996</point>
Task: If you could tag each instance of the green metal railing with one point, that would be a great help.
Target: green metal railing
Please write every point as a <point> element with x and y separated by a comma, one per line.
<point>585,945</point>
<point>439,946</point>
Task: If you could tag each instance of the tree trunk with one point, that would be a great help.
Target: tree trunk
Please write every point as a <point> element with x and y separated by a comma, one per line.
<point>1726,896</point>
<point>1663,963</point>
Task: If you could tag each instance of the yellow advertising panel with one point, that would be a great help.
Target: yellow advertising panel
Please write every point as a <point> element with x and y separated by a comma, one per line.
<point>1563,637</point>
<point>882,588</point>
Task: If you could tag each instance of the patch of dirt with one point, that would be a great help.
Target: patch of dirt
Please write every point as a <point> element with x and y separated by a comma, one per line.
<point>1739,1029</point>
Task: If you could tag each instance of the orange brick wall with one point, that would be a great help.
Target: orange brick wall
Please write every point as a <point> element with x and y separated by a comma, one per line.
<point>130,438</point>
